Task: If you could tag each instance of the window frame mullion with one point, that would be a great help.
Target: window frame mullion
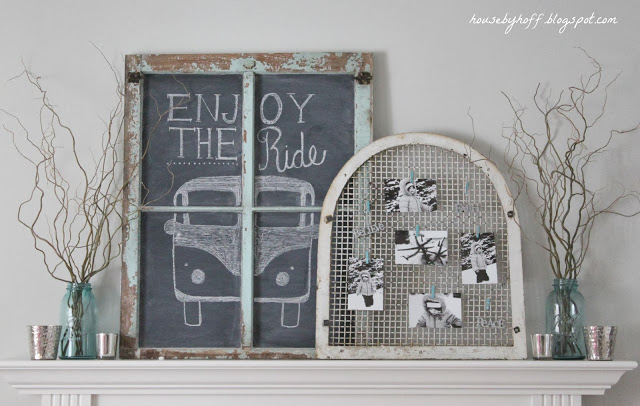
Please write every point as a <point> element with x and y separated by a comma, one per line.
<point>248,174</point>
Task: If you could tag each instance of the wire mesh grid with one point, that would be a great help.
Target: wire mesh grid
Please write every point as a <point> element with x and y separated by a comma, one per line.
<point>466,203</point>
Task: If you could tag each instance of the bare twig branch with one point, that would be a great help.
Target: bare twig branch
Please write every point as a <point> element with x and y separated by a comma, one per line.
<point>72,229</point>
<point>550,168</point>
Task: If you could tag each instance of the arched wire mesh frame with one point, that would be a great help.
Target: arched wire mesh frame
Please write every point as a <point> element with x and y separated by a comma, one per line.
<point>463,176</point>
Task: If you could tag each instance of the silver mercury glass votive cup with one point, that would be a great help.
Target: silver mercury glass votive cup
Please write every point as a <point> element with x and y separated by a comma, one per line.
<point>43,342</point>
<point>600,342</point>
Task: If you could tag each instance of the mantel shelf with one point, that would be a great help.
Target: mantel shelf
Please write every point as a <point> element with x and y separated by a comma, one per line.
<point>566,381</point>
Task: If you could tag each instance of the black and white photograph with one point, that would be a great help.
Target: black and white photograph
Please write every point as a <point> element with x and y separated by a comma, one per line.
<point>426,248</point>
<point>366,284</point>
<point>478,258</point>
<point>442,310</point>
<point>402,195</point>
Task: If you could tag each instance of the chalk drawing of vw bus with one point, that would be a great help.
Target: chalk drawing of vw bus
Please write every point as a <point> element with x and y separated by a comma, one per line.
<point>206,248</point>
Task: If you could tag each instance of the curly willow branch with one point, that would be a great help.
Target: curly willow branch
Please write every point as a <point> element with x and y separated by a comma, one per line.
<point>73,228</point>
<point>550,168</point>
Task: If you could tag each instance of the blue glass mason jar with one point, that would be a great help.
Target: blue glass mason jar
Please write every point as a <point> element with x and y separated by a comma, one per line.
<point>78,318</point>
<point>565,319</point>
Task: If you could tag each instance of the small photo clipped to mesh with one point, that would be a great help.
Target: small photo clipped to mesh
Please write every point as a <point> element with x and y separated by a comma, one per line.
<point>425,248</point>
<point>440,310</point>
<point>365,284</point>
<point>403,195</point>
<point>478,258</point>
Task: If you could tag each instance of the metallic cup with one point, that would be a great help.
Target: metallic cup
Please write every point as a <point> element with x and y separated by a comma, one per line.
<point>106,345</point>
<point>542,345</point>
<point>44,341</point>
<point>600,342</point>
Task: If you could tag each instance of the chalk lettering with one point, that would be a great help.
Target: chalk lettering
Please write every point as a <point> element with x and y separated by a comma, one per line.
<point>235,112</point>
<point>201,101</point>
<point>300,106</point>
<point>278,113</point>
<point>207,143</point>
<point>216,112</point>
<point>491,323</point>
<point>367,230</point>
<point>182,130</point>
<point>272,146</point>
<point>220,144</point>
<point>173,107</point>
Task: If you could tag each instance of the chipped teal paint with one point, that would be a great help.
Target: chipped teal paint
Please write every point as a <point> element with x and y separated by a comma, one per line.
<point>190,209</point>
<point>354,64</point>
<point>236,353</point>
<point>311,62</point>
<point>248,96</point>
<point>307,62</point>
<point>132,255</point>
<point>296,209</point>
<point>135,111</point>
<point>132,248</point>
<point>228,209</point>
<point>363,116</point>
<point>244,64</point>
<point>145,68</point>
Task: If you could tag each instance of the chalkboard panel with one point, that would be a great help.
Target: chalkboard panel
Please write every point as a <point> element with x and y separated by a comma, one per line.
<point>192,126</point>
<point>304,130</point>
<point>174,311</point>
<point>303,136</point>
<point>285,279</point>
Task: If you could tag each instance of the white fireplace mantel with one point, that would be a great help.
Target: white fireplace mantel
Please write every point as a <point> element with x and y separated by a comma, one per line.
<point>310,383</point>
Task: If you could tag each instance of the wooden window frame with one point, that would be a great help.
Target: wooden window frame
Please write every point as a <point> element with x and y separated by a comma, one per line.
<point>248,65</point>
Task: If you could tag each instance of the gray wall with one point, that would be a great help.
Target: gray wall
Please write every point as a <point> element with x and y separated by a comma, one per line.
<point>431,67</point>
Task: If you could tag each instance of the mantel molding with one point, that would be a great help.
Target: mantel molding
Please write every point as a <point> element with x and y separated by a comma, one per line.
<point>81,379</point>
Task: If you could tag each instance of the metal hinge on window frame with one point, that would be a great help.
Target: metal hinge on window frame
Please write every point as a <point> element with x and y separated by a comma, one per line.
<point>134,77</point>
<point>364,78</point>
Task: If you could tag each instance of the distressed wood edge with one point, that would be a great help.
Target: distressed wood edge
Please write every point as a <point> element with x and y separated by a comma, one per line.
<point>129,291</point>
<point>363,115</point>
<point>519,348</point>
<point>291,62</point>
<point>254,353</point>
<point>247,248</point>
